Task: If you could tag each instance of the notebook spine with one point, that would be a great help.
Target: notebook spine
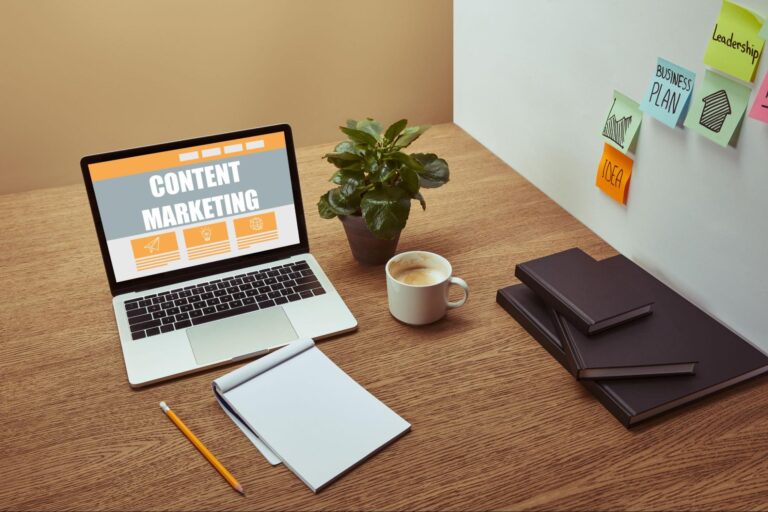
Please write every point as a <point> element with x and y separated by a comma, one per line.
<point>552,346</point>
<point>554,298</point>
<point>531,327</point>
<point>572,355</point>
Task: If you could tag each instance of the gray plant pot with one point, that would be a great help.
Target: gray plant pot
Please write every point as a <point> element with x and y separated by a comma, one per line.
<point>366,248</point>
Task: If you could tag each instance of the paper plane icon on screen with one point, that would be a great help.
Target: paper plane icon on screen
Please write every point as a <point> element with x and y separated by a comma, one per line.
<point>153,246</point>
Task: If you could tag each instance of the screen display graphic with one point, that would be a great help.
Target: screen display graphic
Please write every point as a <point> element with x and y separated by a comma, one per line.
<point>175,209</point>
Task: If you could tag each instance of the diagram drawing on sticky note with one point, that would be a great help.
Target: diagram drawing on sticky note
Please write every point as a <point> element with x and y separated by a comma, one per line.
<point>255,229</point>
<point>155,250</point>
<point>616,129</point>
<point>716,109</point>
<point>622,123</point>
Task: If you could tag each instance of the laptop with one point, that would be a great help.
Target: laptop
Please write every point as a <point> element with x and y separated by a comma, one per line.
<point>206,252</point>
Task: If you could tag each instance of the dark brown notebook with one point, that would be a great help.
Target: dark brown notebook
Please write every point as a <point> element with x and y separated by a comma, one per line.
<point>724,359</point>
<point>651,346</point>
<point>638,349</point>
<point>592,298</point>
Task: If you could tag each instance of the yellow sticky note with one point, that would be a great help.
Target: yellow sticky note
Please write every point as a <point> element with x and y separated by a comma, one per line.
<point>735,45</point>
<point>613,173</point>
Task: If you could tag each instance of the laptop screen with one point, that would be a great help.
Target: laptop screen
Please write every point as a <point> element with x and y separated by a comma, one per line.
<point>170,210</point>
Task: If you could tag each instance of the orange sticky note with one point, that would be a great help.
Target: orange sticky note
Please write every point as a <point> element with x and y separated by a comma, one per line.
<point>613,173</point>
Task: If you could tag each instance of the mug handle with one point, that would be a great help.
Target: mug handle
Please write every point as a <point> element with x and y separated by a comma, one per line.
<point>463,284</point>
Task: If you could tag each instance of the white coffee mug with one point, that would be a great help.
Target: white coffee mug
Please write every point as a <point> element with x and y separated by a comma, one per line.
<point>417,287</point>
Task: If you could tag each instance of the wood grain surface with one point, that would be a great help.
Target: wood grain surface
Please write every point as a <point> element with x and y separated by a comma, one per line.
<point>497,423</point>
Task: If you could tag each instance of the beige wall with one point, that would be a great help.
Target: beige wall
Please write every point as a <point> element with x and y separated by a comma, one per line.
<point>81,77</point>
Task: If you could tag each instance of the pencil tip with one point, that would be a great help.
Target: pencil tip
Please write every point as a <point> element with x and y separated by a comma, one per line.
<point>239,488</point>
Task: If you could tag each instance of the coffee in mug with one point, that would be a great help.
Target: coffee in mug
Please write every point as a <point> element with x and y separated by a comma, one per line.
<point>417,287</point>
<point>419,276</point>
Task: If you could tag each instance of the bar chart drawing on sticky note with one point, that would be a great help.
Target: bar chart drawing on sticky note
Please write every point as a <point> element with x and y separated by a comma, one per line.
<point>255,229</point>
<point>155,250</point>
<point>716,109</point>
<point>622,122</point>
<point>208,240</point>
<point>616,129</point>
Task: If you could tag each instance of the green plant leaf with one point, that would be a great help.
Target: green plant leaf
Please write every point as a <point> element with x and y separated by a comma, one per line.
<point>371,127</point>
<point>349,181</point>
<point>421,200</point>
<point>342,160</point>
<point>342,175</point>
<point>324,209</point>
<point>388,172</point>
<point>373,166</point>
<point>385,211</point>
<point>343,156</point>
<point>351,123</point>
<point>354,167</point>
<point>406,160</point>
<point>395,129</point>
<point>410,134</point>
<point>435,170</point>
<point>358,136</point>
<point>339,204</point>
<point>410,180</point>
<point>346,146</point>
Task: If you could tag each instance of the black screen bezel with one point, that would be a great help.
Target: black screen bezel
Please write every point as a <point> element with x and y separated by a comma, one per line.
<point>196,271</point>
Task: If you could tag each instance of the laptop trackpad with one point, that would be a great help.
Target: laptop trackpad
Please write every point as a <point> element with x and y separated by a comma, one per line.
<point>240,335</point>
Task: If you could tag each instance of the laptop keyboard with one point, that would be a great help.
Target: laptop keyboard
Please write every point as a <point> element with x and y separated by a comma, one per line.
<point>221,298</point>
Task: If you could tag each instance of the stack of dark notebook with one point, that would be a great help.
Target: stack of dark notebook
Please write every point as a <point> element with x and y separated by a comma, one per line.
<point>638,346</point>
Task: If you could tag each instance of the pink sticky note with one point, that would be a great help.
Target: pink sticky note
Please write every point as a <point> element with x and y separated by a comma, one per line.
<point>760,106</point>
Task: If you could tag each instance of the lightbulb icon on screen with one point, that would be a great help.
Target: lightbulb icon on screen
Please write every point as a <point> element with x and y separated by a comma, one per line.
<point>206,233</point>
<point>256,224</point>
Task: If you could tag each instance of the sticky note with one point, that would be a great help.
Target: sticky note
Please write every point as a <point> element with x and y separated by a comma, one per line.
<point>735,45</point>
<point>613,173</point>
<point>669,93</point>
<point>717,108</point>
<point>759,109</point>
<point>622,122</point>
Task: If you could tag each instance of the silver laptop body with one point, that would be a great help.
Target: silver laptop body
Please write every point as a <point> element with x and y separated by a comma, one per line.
<point>223,277</point>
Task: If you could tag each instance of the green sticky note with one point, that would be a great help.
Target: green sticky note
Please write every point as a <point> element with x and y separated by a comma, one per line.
<point>735,45</point>
<point>717,108</point>
<point>622,122</point>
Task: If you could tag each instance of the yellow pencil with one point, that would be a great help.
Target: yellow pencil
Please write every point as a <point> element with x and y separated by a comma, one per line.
<point>202,449</point>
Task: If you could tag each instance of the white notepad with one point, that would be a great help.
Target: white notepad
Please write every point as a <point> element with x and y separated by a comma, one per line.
<point>298,407</point>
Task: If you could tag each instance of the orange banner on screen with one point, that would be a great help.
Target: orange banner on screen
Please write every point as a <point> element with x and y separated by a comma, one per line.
<point>155,250</point>
<point>613,173</point>
<point>255,229</point>
<point>207,240</point>
<point>192,156</point>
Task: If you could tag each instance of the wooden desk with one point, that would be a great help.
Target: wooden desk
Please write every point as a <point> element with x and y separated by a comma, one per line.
<point>497,423</point>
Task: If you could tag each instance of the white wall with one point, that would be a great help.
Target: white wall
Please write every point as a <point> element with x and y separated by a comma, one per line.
<point>533,82</point>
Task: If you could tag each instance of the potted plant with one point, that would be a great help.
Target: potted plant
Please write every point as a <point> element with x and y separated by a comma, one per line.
<point>376,182</point>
